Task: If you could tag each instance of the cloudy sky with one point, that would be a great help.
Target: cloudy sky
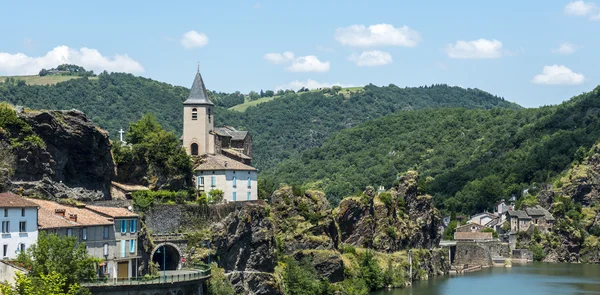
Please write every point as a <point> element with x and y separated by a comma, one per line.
<point>532,52</point>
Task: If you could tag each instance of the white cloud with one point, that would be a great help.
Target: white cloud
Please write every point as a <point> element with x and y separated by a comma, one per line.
<point>193,39</point>
<point>279,58</point>
<point>91,59</point>
<point>558,75</point>
<point>310,84</point>
<point>565,48</point>
<point>372,58</point>
<point>583,9</point>
<point>309,63</point>
<point>476,49</point>
<point>377,35</point>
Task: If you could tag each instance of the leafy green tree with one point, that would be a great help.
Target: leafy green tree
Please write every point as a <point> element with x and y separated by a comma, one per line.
<point>490,230</point>
<point>216,196</point>
<point>302,279</point>
<point>370,271</point>
<point>218,284</point>
<point>354,286</point>
<point>59,258</point>
<point>47,284</point>
<point>450,230</point>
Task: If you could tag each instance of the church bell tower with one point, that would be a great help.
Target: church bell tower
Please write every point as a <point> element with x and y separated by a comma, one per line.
<point>198,120</point>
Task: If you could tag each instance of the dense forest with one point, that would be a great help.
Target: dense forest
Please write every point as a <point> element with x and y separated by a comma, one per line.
<point>468,159</point>
<point>280,129</point>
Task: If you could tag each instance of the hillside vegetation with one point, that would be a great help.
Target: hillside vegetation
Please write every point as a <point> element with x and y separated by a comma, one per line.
<point>37,80</point>
<point>280,128</point>
<point>469,159</point>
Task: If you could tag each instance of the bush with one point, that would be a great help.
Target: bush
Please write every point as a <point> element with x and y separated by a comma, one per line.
<point>386,198</point>
<point>215,196</point>
<point>537,251</point>
<point>218,284</point>
<point>490,230</point>
<point>302,279</point>
<point>355,286</point>
<point>370,271</point>
<point>348,249</point>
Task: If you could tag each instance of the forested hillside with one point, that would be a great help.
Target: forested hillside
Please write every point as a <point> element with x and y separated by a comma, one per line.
<point>468,159</point>
<point>280,128</point>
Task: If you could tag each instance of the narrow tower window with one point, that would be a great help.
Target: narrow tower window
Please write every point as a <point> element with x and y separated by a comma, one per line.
<point>208,115</point>
<point>194,149</point>
<point>194,114</point>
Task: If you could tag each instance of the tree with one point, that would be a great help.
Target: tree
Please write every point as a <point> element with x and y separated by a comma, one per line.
<point>58,259</point>
<point>216,196</point>
<point>302,278</point>
<point>336,88</point>
<point>47,284</point>
<point>43,72</point>
<point>218,284</point>
<point>370,271</point>
<point>269,93</point>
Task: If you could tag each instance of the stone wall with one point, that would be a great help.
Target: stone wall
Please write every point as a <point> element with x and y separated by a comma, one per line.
<point>7,272</point>
<point>194,287</point>
<point>480,253</point>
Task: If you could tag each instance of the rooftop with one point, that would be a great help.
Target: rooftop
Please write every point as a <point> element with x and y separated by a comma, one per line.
<point>198,94</point>
<point>48,216</point>
<point>234,152</point>
<point>536,211</point>
<point>114,212</point>
<point>129,187</point>
<point>231,132</point>
<point>10,200</point>
<point>220,162</point>
<point>472,236</point>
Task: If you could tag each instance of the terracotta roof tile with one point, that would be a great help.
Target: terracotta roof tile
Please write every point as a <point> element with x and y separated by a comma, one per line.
<point>47,217</point>
<point>129,187</point>
<point>10,200</point>
<point>114,212</point>
<point>472,236</point>
<point>219,162</point>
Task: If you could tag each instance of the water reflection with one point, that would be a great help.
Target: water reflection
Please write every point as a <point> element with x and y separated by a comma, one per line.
<point>530,279</point>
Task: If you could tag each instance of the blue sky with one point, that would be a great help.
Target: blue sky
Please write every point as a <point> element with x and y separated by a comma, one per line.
<point>530,52</point>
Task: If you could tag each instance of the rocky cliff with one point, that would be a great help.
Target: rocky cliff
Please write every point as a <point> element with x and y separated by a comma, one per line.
<point>67,156</point>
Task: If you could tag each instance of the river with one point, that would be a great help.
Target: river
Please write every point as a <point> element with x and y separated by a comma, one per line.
<point>529,279</point>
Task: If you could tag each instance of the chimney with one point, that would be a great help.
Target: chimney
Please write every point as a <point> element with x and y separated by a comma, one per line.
<point>73,217</point>
<point>59,212</point>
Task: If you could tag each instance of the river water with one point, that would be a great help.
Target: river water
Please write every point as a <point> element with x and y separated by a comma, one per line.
<point>529,279</point>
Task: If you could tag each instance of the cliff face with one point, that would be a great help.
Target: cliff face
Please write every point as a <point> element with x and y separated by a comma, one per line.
<point>74,160</point>
<point>391,221</point>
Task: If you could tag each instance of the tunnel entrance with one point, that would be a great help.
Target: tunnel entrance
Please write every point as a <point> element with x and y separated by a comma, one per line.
<point>171,261</point>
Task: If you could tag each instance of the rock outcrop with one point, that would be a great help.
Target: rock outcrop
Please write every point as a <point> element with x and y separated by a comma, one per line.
<point>390,221</point>
<point>74,161</point>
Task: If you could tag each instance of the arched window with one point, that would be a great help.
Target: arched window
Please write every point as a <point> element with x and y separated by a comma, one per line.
<point>194,148</point>
<point>194,114</point>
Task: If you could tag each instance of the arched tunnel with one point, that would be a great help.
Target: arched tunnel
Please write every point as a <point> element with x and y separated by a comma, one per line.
<point>171,261</point>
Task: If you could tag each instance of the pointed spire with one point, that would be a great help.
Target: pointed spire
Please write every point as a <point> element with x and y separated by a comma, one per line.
<point>198,92</point>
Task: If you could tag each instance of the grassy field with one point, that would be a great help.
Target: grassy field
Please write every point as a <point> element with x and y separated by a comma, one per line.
<point>45,80</point>
<point>242,107</point>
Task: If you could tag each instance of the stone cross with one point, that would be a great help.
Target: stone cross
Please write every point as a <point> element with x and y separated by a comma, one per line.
<point>121,134</point>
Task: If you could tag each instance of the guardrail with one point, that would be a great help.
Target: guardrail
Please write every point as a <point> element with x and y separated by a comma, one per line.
<point>196,275</point>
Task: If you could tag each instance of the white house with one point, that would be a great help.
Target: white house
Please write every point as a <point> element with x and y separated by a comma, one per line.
<point>223,154</point>
<point>481,218</point>
<point>19,224</point>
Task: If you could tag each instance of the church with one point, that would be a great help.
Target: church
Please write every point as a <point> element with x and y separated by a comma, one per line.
<point>224,154</point>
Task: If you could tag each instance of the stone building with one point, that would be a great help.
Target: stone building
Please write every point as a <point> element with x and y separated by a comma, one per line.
<point>470,227</point>
<point>223,154</point>
<point>19,224</point>
<point>521,220</point>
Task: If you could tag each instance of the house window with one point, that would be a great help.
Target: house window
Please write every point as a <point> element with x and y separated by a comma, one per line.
<point>22,247</point>
<point>5,212</point>
<point>4,250</point>
<point>194,149</point>
<point>105,249</point>
<point>123,226</point>
<point>248,196</point>
<point>132,246</point>
<point>5,227</point>
<point>69,232</point>
<point>132,226</point>
<point>200,181</point>
<point>249,182</point>
<point>209,115</point>
<point>84,233</point>
<point>23,212</point>
<point>213,181</point>
<point>105,236</point>
<point>123,247</point>
<point>22,227</point>
<point>234,182</point>
<point>194,114</point>
<point>234,196</point>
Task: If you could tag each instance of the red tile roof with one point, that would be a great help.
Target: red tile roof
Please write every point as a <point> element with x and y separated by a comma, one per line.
<point>472,236</point>
<point>114,212</point>
<point>219,162</point>
<point>48,218</point>
<point>10,200</point>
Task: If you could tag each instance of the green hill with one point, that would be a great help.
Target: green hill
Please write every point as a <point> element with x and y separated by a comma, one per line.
<point>281,128</point>
<point>469,159</point>
<point>44,80</point>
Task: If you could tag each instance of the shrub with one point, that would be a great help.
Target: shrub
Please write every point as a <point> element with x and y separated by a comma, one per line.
<point>348,249</point>
<point>537,251</point>
<point>370,271</point>
<point>355,286</point>
<point>386,198</point>
<point>218,284</point>
<point>216,196</point>
<point>491,230</point>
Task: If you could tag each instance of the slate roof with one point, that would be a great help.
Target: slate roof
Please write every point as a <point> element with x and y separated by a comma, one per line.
<point>469,225</point>
<point>237,153</point>
<point>198,94</point>
<point>114,212</point>
<point>536,211</point>
<point>520,214</point>
<point>493,222</point>
<point>47,217</point>
<point>10,200</point>
<point>231,132</point>
<point>220,162</point>
<point>472,236</point>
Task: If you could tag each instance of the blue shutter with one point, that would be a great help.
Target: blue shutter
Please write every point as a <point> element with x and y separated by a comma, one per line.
<point>234,180</point>
<point>213,181</point>
<point>132,246</point>
<point>249,182</point>
<point>132,225</point>
<point>248,196</point>
<point>234,196</point>
<point>123,248</point>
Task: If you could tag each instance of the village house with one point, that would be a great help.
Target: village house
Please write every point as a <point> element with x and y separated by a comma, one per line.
<point>19,224</point>
<point>481,218</point>
<point>117,249</point>
<point>521,220</point>
<point>470,227</point>
<point>224,154</point>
